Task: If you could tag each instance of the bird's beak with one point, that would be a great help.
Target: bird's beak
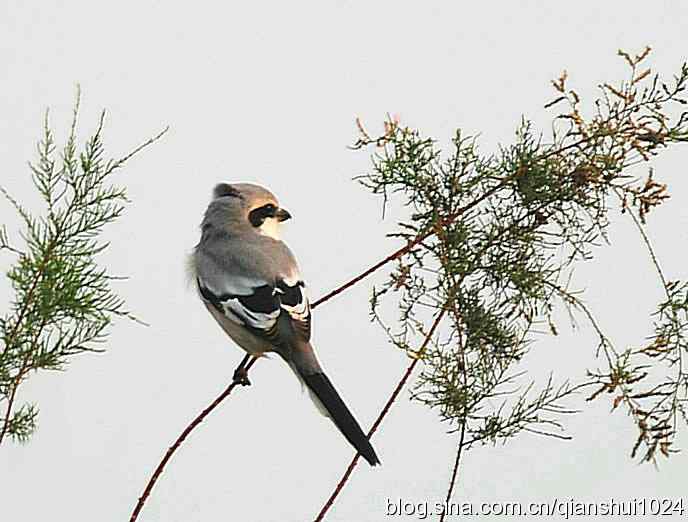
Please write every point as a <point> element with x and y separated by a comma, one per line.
<point>282,215</point>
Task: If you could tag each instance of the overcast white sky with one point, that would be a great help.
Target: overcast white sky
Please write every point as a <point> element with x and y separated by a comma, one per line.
<point>268,93</point>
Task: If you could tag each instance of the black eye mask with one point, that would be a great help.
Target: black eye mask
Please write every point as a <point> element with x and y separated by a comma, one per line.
<point>258,215</point>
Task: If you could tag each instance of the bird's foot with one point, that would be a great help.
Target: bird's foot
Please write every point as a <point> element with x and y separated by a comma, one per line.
<point>241,377</point>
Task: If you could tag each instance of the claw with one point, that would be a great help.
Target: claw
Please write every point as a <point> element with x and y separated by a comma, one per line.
<point>241,377</point>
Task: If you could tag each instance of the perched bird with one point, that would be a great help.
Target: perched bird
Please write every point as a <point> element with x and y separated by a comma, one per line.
<point>250,282</point>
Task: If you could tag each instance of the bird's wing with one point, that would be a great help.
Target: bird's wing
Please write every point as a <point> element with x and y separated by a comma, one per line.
<point>260,305</point>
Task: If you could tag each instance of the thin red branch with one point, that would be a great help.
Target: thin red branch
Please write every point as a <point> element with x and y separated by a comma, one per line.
<point>388,405</point>
<point>455,471</point>
<point>158,471</point>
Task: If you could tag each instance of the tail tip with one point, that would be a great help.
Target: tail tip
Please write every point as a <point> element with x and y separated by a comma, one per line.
<point>371,457</point>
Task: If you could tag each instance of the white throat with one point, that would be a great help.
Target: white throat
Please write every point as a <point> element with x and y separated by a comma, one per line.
<point>271,228</point>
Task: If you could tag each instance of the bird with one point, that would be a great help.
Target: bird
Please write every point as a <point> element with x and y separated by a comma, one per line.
<point>250,282</point>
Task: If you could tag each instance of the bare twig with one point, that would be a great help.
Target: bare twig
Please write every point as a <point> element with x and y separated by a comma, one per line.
<point>168,455</point>
<point>455,471</point>
<point>392,398</point>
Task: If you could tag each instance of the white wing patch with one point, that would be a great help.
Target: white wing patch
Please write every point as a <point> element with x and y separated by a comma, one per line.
<point>240,314</point>
<point>260,308</point>
<point>301,311</point>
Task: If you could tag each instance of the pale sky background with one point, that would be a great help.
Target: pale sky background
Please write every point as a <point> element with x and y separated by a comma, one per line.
<point>268,92</point>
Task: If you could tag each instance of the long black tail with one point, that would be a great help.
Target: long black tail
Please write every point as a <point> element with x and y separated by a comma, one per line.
<point>322,388</point>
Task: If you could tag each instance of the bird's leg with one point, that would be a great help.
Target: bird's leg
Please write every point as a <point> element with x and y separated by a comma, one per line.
<point>240,374</point>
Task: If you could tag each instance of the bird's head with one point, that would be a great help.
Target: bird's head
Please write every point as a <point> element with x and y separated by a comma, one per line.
<point>252,205</point>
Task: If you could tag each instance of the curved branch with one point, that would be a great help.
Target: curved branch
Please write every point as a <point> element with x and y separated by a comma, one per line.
<point>161,466</point>
<point>392,398</point>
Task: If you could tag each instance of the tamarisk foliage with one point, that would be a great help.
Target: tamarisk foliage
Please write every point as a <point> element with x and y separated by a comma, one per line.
<point>502,234</point>
<point>63,301</point>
